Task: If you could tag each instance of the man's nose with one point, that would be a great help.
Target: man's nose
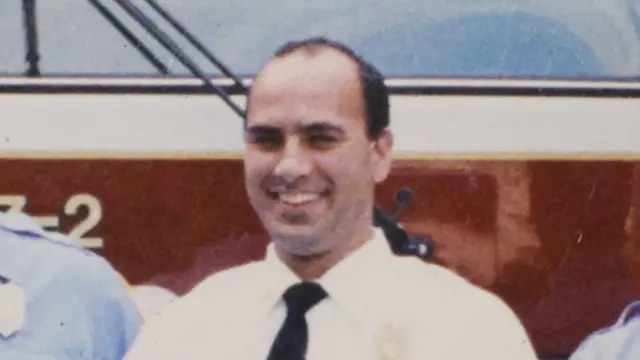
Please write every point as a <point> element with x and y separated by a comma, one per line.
<point>294,162</point>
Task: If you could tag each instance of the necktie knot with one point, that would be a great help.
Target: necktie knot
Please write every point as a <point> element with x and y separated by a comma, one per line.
<point>291,340</point>
<point>301,297</point>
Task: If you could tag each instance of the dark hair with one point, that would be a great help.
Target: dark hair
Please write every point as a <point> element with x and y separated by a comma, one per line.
<point>374,90</point>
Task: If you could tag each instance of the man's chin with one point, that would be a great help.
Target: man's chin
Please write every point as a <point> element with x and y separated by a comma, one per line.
<point>292,232</point>
<point>301,240</point>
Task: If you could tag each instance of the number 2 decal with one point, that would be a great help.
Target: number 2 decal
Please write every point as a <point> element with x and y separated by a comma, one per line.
<point>72,207</point>
<point>92,219</point>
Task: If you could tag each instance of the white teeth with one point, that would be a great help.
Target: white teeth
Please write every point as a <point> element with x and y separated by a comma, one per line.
<point>297,199</point>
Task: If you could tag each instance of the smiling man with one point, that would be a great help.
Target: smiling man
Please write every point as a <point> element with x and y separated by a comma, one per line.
<point>317,143</point>
<point>311,160</point>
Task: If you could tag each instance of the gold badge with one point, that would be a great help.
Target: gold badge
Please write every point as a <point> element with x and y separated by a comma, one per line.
<point>391,341</point>
<point>12,308</point>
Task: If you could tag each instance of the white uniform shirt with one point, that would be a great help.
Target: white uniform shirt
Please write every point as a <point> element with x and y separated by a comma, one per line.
<point>151,299</point>
<point>379,306</point>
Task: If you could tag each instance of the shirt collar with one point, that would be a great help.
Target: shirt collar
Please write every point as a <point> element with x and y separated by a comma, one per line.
<point>347,283</point>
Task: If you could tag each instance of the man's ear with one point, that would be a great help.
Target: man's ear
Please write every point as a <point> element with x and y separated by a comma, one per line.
<point>382,148</point>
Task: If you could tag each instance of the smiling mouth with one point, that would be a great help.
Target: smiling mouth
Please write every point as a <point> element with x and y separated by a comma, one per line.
<point>297,198</point>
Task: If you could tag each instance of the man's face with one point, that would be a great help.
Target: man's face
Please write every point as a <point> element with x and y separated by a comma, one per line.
<point>310,168</point>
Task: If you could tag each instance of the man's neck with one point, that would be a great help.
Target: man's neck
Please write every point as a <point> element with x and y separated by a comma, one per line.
<point>315,266</point>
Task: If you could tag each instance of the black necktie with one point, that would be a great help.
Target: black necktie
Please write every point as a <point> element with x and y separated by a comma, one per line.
<point>291,341</point>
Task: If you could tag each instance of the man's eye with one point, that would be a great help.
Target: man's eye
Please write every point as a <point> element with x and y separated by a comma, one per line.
<point>268,142</point>
<point>321,141</point>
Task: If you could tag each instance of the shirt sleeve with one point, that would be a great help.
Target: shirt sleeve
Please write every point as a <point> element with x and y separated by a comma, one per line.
<point>111,318</point>
<point>117,315</point>
<point>498,334</point>
<point>179,329</point>
<point>620,341</point>
<point>152,342</point>
<point>169,334</point>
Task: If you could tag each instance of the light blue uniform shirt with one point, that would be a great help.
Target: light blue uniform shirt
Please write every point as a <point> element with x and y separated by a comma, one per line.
<point>77,306</point>
<point>620,341</point>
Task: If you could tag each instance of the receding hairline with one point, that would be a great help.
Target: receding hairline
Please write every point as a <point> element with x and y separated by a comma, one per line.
<point>310,51</point>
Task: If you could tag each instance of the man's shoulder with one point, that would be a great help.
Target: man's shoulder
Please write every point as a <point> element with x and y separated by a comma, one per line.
<point>229,283</point>
<point>20,226</point>
<point>437,297</point>
<point>51,269</point>
<point>23,238</point>
<point>436,276</point>
<point>448,292</point>
<point>621,340</point>
<point>213,300</point>
<point>221,288</point>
